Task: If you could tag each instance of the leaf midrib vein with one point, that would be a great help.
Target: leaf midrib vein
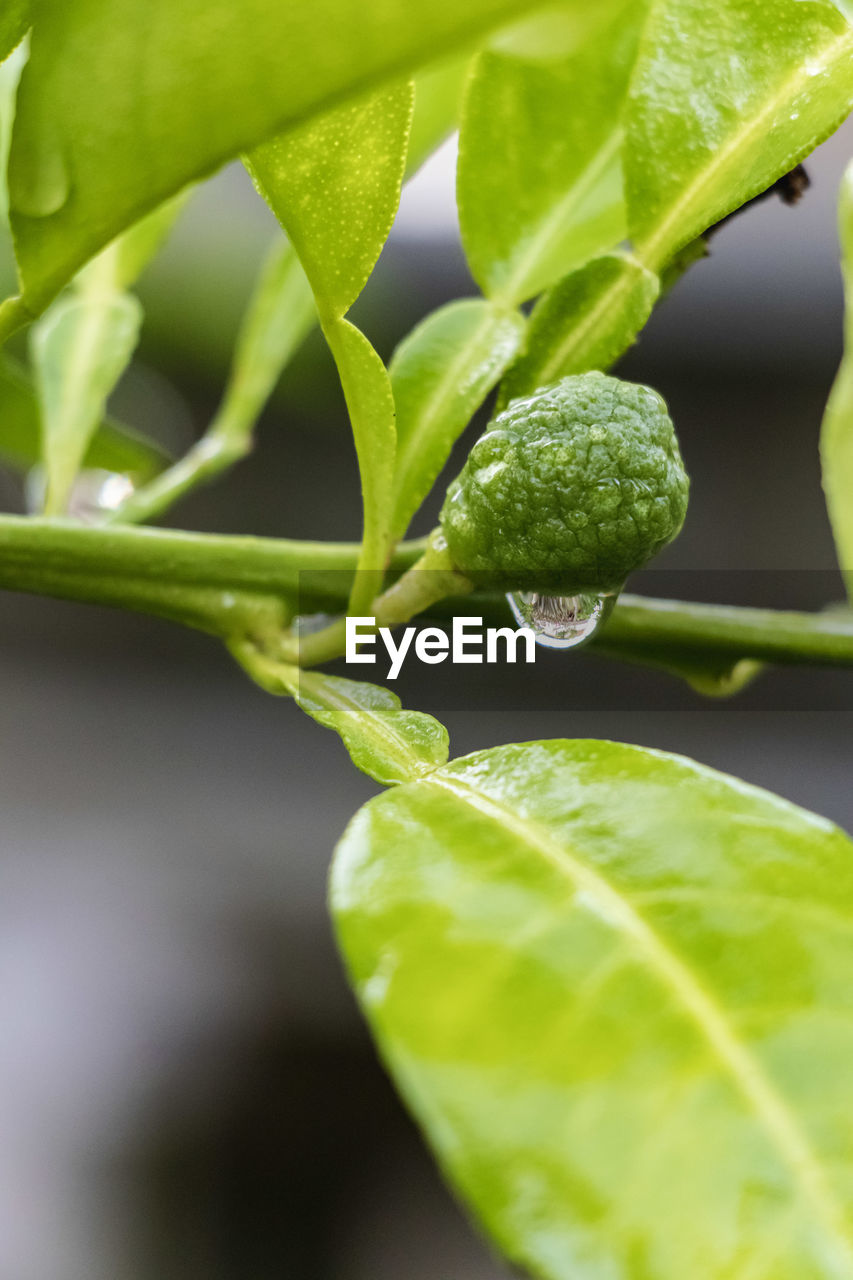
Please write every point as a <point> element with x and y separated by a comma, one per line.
<point>648,249</point>
<point>551,226</point>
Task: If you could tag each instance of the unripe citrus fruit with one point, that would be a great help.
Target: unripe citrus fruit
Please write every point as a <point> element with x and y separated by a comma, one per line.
<point>569,489</point>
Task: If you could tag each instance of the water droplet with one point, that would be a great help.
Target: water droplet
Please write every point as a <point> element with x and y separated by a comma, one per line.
<point>307,623</point>
<point>561,622</point>
<point>95,491</point>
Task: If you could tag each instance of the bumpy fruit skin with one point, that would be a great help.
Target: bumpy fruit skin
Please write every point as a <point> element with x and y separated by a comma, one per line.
<point>568,490</point>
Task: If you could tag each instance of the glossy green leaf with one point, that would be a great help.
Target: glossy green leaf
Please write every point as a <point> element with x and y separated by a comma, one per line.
<point>334,185</point>
<point>14,20</point>
<point>79,349</point>
<point>836,445</point>
<point>585,322</point>
<point>540,181</point>
<point>440,375</point>
<point>113,448</point>
<point>616,989</point>
<point>720,109</point>
<point>104,135</point>
<point>383,740</point>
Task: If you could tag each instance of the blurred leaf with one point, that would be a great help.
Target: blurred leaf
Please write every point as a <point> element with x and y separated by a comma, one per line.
<point>616,989</point>
<point>438,102</point>
<point>216,79</point>
<point>540,182</point>
<point>129,255</point>
<point>14,20</point>
<point>82,345</point>
<point>384,741</point>
<point>440,375</point>
<point>713,675</point>
<point>10,74</point>
<point>334,185</point>
<point>113,448</point>
<point>720,109</point>
<point>587,321</point>
<point>836,444</point>
<point>279,316</point>
<point>80,349</point>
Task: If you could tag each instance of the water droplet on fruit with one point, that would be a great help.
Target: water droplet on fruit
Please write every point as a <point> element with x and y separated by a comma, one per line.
<point>561,622</point>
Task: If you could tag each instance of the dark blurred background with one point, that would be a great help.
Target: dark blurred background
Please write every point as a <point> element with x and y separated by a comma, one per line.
<point>186,1090</point>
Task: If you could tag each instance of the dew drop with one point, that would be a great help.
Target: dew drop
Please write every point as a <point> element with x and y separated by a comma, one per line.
<point>95,492</point>
<point>307,624</point>
<point>561,622</point>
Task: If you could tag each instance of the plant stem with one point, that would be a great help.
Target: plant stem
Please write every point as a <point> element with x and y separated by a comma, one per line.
<point>233,585</point>
<point>223,584</point>
<point>642,626</point>
<point>736,632</point>
<point>429,580</point>
<point>214,453</point>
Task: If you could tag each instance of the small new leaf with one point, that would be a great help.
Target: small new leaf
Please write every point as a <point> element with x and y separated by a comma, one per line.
<point>79,349</point>
<point>383,740</point>
<point>587,321</point>
<point>440,375</point>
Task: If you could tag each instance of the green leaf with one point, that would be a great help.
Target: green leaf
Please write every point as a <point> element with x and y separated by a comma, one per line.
<point>10,74</point>
<point>279,316</point>
<point>14,20</point>
<point>440,375</point>
<point>836,442</point>
<point>438,102</point>
<point>114,448</point>
<point>334,185</point>
<point>540,182</point>
<point>127,257</point>
<point>616,989</point>
<point>720,109</point>
<point>79,349</point>
<point>384,741</point>
<point>577,326</point>
<point>104,135</point>
<point>83,344</point>
<point>370,402</point>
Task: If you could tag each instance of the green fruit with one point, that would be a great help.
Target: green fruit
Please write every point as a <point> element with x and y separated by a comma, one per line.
<point>568,490</point>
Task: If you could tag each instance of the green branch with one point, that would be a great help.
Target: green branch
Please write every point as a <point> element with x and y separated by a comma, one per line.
<point>227,585</point>
<point>232,586</point>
